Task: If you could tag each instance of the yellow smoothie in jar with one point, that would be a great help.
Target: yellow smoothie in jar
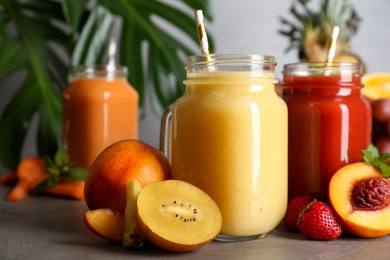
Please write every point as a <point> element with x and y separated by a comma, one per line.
<point>229,138</point>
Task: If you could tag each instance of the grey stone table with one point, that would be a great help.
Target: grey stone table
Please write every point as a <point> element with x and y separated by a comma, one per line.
<point>52,228</point>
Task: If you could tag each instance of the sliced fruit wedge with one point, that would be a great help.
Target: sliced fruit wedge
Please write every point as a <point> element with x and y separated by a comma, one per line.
<point>376,85</point>
<point>364,212</point>
<point>105,223</point>
<point>132,236</point>
<point>177,216</point>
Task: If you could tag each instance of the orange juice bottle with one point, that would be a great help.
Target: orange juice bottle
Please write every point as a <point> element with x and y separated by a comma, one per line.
<point>100,107</point>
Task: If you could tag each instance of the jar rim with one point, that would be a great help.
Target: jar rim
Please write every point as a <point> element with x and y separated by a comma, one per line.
<point>314,68</point>
<point>200,59</point>
<point>88,70</point>
<point>229,62</point>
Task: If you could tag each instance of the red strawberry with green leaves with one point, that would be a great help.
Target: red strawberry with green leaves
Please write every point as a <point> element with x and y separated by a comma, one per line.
<point>318,222</point>
<point>294,208</point>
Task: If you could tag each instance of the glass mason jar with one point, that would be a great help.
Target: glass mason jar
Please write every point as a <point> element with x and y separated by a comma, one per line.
<point>329,123</point>
<point>100,107</point>
<point>229,138</point>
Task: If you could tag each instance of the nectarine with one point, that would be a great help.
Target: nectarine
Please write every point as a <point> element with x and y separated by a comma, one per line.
<point>360,198</point>
<point>105,185</point>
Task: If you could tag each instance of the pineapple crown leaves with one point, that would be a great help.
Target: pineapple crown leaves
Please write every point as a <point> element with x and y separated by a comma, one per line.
<point>314,27</point>
<point>371,156</point>
<point>342,14</point>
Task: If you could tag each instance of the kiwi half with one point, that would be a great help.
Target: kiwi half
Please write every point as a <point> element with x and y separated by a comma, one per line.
<point>177,216</point>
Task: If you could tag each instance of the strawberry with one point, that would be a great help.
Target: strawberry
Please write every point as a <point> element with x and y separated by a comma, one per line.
<point>318,222</point>
<point>294,208</point>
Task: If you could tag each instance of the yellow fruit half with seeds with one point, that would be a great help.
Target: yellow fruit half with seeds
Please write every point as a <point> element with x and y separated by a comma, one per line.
<point>177,216</point>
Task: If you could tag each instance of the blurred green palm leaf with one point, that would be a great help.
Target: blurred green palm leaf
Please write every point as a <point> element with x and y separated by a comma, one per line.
<point>40,39</point>
<point>31,48</point>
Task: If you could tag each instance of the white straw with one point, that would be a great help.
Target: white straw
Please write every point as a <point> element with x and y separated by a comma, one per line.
<point>111,55</point>
<point>333,44</point>
<point>202,35</point>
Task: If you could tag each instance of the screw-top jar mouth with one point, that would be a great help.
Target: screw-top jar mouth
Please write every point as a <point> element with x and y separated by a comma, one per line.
<point>323,68</point>
<point>98,70</point>
<point>229,68</point>
<point>209,63</point>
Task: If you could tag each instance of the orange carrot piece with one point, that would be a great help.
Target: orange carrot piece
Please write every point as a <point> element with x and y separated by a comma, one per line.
<point>30,172</point>
<point>20,191</point>
<point>68,189</point>
<point>9,178</point>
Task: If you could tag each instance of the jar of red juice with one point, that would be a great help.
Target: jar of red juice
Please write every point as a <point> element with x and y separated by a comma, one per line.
<point>329,123</point>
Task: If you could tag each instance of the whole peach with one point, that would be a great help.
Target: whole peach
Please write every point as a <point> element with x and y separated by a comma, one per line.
<point>105,185</point>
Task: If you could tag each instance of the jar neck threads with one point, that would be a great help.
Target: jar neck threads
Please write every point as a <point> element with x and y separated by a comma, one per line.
<point>99,70</point>
<point>230,67</point>
<point>323,69</point>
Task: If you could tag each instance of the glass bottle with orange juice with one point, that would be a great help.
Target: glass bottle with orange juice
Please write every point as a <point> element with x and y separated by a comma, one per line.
<point>100,107</point>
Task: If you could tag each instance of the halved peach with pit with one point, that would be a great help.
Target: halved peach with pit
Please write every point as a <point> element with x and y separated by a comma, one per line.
<point>360,198</point>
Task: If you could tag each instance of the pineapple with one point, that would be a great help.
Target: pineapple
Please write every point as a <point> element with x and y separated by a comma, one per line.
<point>311,33</point>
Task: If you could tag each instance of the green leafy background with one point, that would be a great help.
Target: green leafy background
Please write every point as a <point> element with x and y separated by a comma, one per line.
<point>42,39</point>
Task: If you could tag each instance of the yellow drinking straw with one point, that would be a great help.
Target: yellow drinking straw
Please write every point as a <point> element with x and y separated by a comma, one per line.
<point>202,35</point>
<point>333,44</point>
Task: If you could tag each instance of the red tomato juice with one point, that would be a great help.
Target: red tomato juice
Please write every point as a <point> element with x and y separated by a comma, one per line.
<point>329,126</point>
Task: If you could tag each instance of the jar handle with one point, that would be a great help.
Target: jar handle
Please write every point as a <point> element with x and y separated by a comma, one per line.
<point>165,131</point>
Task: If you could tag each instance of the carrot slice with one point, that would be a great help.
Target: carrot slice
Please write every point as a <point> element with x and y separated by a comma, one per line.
<point>9,178</point>
<point>19,192</point>
<point>68,189</point>
<point>30,172</point>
